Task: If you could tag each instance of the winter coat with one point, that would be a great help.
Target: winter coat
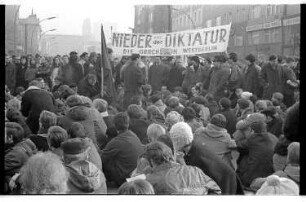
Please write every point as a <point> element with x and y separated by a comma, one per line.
<point>17,156</point>
<point>175,77</point>
<point>92,121</point>
<point>71,73</point>
<point>174,178</point>
<point>235,77</point>
<point>271,80</point>
<point>275,126</point>
<point>257,161</point>
<point>158,76</point>
<point>85,89</point>
<point>219,81</point>
<point>193,77</point>
<point>251,82</point>
<point>85,178</point>
<point>213,108</point>
<point>120,155</point>
<point>139,127</point>
<point>218,141</point>
<point>288,74</point>
<point>33,102</point>
<point>200,155</point>
<point>231,120</point>
<point>30,74</point>
<point>10,77</point>
<point>40,141</point>
<point>20,76</point>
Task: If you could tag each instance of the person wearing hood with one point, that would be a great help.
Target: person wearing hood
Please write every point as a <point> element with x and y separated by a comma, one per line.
<point>87,86</point>
<point>217,139</point>
<point>120,155</point>
<point>219,78</point>
<point>84,176</point>
<point>81,110</point>
<point>34,101</point>
<point>17,150</point>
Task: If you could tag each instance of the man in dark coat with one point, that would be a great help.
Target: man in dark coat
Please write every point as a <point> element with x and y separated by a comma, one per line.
<point>10,74</point>
<point>118,69</point>
<point>158,73</point>
<point>34,101</point>
<point>133,79</point>
<point>256,150</point>
<point>231,118</point>
<point>20,72</point>
<point>119,158</point>
<point>251,77</point>
<point>219,78</point>
<point>87,86</point>
<point>236,76</point>
<point>73,71</point>
<point>175,77</point>
<point>271,77</point>
<point>274,121</point>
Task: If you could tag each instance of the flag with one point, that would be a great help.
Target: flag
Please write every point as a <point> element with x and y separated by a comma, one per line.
<point>106,71</point>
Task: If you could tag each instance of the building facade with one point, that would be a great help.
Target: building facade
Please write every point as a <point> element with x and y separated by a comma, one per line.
<point>12,41</point>
<point>256,29</point>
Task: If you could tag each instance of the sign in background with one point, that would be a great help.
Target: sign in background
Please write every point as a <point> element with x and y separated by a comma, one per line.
<point>190,42</point>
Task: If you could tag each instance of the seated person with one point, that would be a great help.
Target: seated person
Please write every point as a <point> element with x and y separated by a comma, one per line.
<point>56,135</point>
<point>190,118</point>
<point>136,187</point>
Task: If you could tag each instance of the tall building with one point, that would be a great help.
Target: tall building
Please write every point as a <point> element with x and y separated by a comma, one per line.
<point>257,29</point>
<point>152,19</point>
<point>12,41</point>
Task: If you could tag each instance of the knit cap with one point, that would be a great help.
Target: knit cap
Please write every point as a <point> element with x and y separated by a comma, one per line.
<point>74,146</point>
<point>218,120</point>
<point>181,135</point>
<point>173,117</point>
<point>275,185</point>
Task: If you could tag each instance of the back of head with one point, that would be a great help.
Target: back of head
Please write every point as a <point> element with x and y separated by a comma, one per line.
<point>272,57</point>
<point>44,173</point>
<point>188,113</point>
<point>260,105</point>
<point>158,153</point>
<point>100,104</point>
<point>173,102</point>
<point>77,130</point>
<point>74,100</point>
<point>75,149</point>
<point>243,103</point>
<point>154,131</point>
<point>181,135</point>
<point>167,141</point>
<point>218,120</point>
<point>135,111</point>
<point>233,56</point>
<point>14,131</point>
<point>173,117</point>
<point>275,185</point>
<point>47,119</point>
<point>56,135</point>
<point>135,56</point>
<point>250,58</point>
<point>154,113</point>
<point>293,157</point>
<point>136,187</point>
<point>121,121</point>
<point>225,103</point>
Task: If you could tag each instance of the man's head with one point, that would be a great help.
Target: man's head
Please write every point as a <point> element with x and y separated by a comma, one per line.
<point>93,57</point>
<point>92,79</point>
<point>157,60</point>
<point>225,103</point>
<point>135,57</point>
<point>65,59</point>
<point>233,57</point>
<point>188,113</point>
<point>154,131</point>
<point>14,133</point>
<point>73,56</point>
<point>273,60</point>
<point>270,113</point>
<point>218,120</point>
<point>195,60</point>
<point>255,122</point>
<point>277,98</point>
<point>84,56</point>
<point>121,121</point>
<point>250,59</point>
<point>56,135</point>
<point>75,149</point>
<point>243,104</point>
<point>100,104</point>
<point>158,153</point>
<point>47,119</point>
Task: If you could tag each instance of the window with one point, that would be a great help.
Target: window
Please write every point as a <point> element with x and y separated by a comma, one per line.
<point>276,36</point>
<point>276,9</point>
<point>269,11</point>
<point>218,21</point>
<point>238,40</point>
<point>268,36</point>
<point>255,12</point>
<point>255,37</point>
<point>208,23</point>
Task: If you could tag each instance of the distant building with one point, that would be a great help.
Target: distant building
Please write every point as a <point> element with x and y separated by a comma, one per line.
<point>256,29</point>
<point>86,29</point>
<point>12,38</point>
<point>152,19</point>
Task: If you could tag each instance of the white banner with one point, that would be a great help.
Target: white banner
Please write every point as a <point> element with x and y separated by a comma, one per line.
<point>190,42</point>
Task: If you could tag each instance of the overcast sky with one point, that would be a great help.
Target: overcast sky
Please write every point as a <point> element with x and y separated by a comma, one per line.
<point>70,14</point>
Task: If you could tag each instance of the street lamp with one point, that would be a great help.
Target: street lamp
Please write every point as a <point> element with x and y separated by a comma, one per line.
<point>36,25</point>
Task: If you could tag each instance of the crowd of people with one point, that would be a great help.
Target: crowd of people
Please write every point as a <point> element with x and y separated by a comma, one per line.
<point>214,126</point>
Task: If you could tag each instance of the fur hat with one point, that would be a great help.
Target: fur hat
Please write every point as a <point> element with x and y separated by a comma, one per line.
<point>181,135</point>
<point>243,103</point>
<point>269,111</point>
<point>74,146</point>
<point>173,117</point>
<point>74,100</point>
<point>275,185</point>
<point>251,119</point>
<point>218,120</point>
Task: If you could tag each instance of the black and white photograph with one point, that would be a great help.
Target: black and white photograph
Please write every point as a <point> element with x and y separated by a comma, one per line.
<point>152,98</point>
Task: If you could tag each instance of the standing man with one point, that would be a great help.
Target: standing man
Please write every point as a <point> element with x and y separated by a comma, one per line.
<point>236,76</point>
<point>271,77</point>
<point>10,74</point>
<point>158,75</point>
<point>133,79</point>
<point>83,59</point>
<point>251,76</point>
<point>175,77</point>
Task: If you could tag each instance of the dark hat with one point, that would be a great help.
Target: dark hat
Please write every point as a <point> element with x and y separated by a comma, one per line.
<point>269,111</point>
<point>243,103</point>
<point>74,146</point>
<point>73,53</point>
<point>219,120</point>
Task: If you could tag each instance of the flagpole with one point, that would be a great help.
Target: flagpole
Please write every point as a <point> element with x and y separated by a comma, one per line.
<point>101,65</point>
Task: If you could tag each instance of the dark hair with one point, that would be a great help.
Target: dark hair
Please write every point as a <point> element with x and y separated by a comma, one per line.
<point>136,99</point>
<point>83,55</point>
<point>195,58</point>
<point>200,100</point>
<point>225,103</point>
<point>233,56</point>
<point>77,130</point>
<point>73,85</point>
<point>57,135</point>
<point>178,88</point>
<point>135,57</point>
<point>272,57</point>
<point>188,113</point>
<point>208,60</point>
<point>259,127</point>
<point>279,58</point>
<point>158,152</point>
<point>134,111</point>
<point>243,103</point>
<point>166,139</point>
<point>250,58</point>
<point>15,130</point>
<point>109,50</point>
<point>121,121</point>
<point>220,58</point>
<point>138,187</point>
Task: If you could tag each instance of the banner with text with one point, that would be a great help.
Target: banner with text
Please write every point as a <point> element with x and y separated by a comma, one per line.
<point>190,42</point>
